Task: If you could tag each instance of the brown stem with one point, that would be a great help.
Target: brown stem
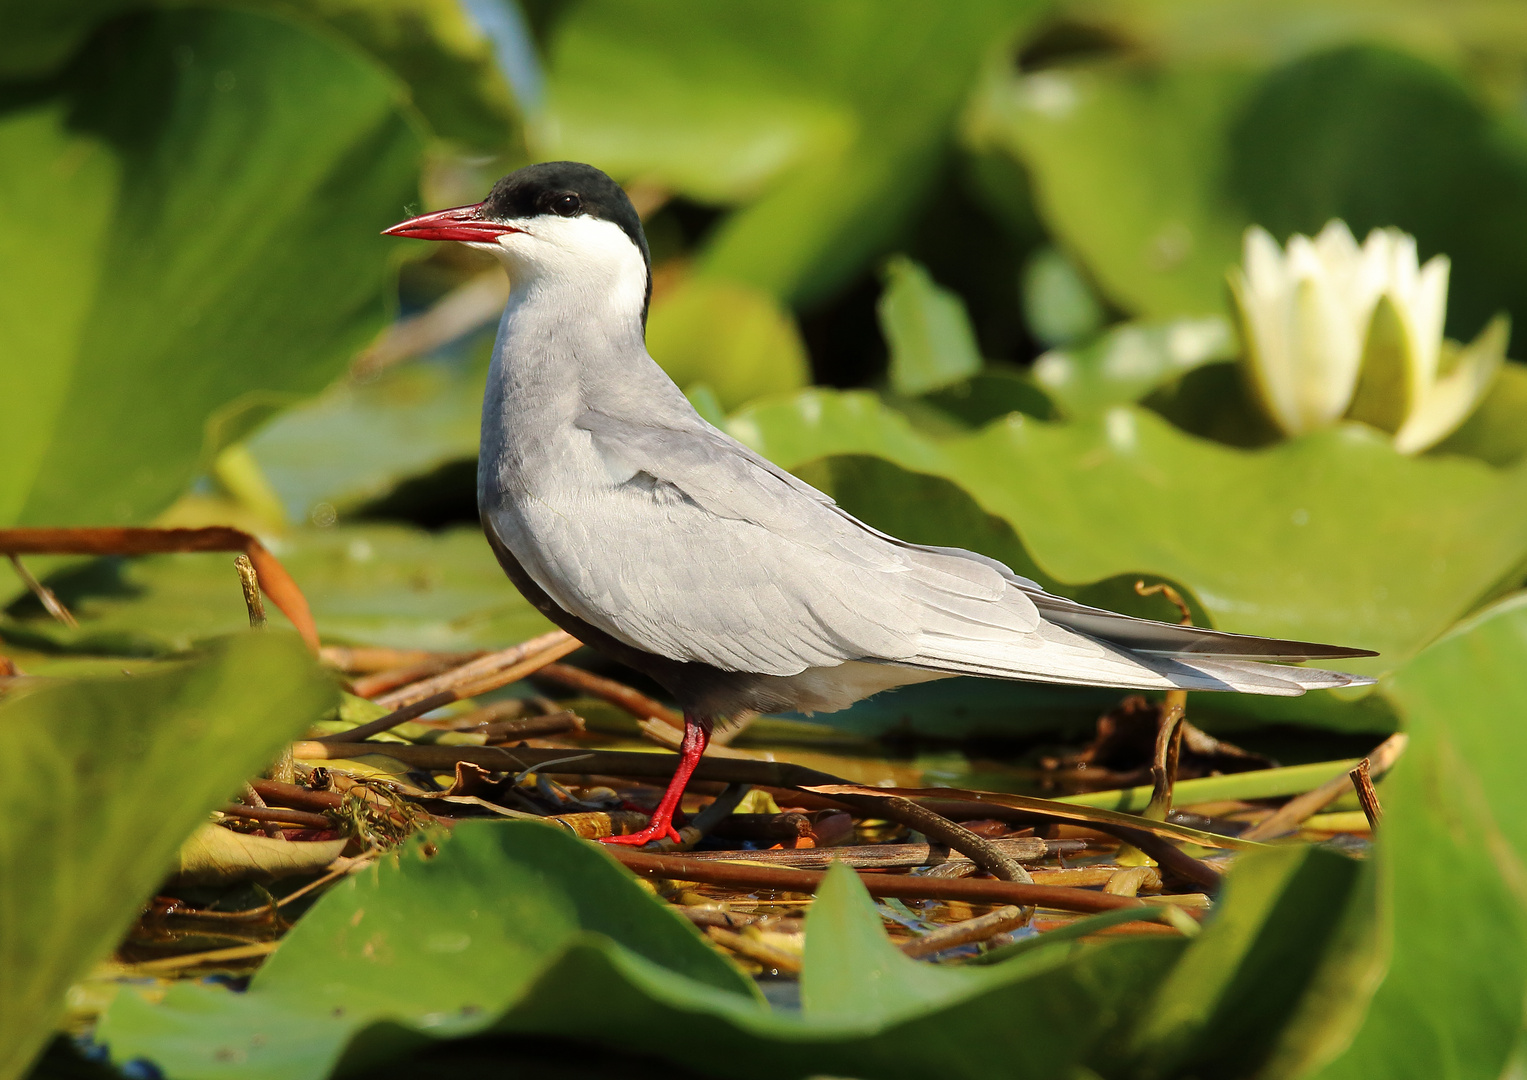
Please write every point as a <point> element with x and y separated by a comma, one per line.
<point>274,580</point>
<point>49,600</point>
<point>757,951</point>
<point>1293,813</point>
<point>967,932</point>
<point>249,580</point>
<point>296,796</point>
<point>557,723</point>
<point>545,649</point>
<point>1168,856</point>
<point>1366,796</point>
<point>279,815</point>
<point>618,694</point>
<point>252,798</point>
<point>935,826</point>
<point>1173,597</point>
<point>1168,750</point>
<point>392,719</point>
<point>370,686</point>
<point>905,886</point>
<point>461,689</point>
<point>889,856</point>
<point>371,659</point>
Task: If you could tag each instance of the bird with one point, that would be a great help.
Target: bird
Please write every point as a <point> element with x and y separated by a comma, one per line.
<point>658,539</point>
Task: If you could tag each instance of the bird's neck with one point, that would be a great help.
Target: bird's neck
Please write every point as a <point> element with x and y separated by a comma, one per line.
<point>568,344</point>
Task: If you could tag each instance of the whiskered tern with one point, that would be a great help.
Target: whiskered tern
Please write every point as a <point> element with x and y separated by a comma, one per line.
<point>660,540</point>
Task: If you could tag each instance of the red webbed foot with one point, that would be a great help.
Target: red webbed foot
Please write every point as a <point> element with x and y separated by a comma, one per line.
<point>696,736</point>
<point>646,836</point>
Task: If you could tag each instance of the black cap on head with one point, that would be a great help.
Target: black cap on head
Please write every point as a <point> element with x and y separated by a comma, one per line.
<point>567,189</point>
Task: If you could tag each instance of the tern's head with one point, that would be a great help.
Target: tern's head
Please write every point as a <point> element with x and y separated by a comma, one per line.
<point>560,220</point>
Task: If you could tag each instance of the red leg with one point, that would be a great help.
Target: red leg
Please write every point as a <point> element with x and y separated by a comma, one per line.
<point>696,738</point>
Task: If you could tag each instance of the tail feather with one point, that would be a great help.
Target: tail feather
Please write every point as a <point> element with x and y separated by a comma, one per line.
<point>1060,654</point>
<point>1169,639</point>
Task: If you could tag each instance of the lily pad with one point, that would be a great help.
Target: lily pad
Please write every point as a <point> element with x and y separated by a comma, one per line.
<point>509,926</point>
<point>152,192</point>
<point>1452,840</point>
<point>378,584</point>
<point>434,45</point>
<point>418,948</point>
<point>355,442</point>
<point>521,922</point>
<point>1497,432</point>
<point>1333,537</point>
<point>1128,168</point>
<point>928,330</point>
<point>1128,361</point>
<point>130,765</point>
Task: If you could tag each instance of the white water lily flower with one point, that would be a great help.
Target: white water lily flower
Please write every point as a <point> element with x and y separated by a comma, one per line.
<point>1334,331</point>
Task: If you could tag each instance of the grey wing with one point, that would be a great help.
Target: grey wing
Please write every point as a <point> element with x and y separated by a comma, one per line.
<point>748,568</point>
<point>702,551</point>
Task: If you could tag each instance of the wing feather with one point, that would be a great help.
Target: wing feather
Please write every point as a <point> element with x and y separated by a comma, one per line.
<point>687,544</point>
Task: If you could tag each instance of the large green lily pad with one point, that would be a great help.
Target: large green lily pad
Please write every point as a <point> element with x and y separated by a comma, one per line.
<point>101,780</point>
<point>509,926</point>
<point>188,238</point>
<point>1333,537</point>
<point>1450,851</point>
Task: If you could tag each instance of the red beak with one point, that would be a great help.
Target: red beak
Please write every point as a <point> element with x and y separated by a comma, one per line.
<point>457,223</point>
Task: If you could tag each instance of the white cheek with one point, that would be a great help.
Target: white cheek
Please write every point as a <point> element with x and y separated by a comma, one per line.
<point>581,252</point>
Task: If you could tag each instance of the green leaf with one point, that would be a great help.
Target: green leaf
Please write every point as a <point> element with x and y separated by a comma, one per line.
<point>438,49</point>
<point>1128,169</point>
<point>1332,537</point>
<point>517,927</point>
<point>432,45</point>
<point>1449,852</point>
<point>129,766</point>
<point>151,278</point>
<point>356,442</point>
<point>39,37</point>
<point>853,974</point>
<point>422,946</point>
<point>1130,360</point>
<point>927,329</point>
<point>1295,923</point>
<point>377,584</point>
<point>917,1019</point>
<point>829,119</point>
<point>734,338</point>
<point>1058,304</point>
<point>990,395</point>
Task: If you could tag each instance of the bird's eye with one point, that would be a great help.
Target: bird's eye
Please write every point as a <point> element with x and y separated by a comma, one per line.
<point>567,205</point>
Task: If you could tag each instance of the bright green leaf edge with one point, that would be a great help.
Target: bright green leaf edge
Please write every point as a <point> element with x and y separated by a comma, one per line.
<point>130,765</point>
